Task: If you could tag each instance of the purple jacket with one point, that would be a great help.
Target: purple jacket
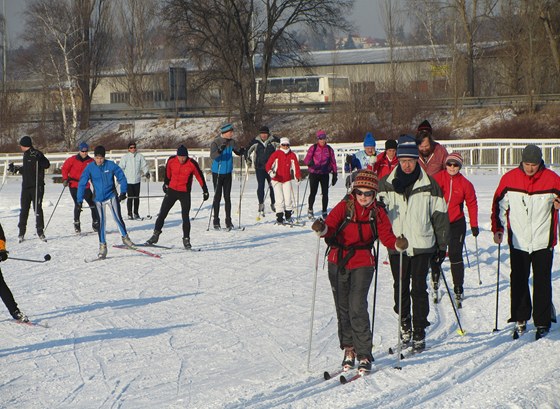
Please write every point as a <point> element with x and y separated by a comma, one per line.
<point>324,160</point>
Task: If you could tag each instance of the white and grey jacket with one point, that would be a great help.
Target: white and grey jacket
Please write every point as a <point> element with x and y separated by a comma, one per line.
<point>422,217</point>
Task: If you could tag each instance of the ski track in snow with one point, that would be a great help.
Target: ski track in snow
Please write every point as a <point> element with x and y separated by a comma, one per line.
<point>228,327</point>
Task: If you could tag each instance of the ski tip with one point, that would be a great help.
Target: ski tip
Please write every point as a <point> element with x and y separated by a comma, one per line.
<point>343,380</point>
<point>402,357</point>
<point>326,375</point>
<point>391,352</point>
<point>515,335</point>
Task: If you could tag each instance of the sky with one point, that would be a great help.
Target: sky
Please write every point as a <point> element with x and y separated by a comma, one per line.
<point>365,17</point>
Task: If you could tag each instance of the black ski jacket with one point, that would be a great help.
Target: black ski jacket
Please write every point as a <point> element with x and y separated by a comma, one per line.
<point>33,158</point>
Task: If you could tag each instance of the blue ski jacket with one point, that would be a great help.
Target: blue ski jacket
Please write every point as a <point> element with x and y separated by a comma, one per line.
<point>103,180</point>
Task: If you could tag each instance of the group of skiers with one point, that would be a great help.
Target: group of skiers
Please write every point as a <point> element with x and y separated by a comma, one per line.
<point>411,197</point>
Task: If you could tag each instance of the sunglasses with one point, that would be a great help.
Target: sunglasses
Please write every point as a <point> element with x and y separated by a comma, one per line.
<point>284,144</point>
<point>452,164</point>
<point>84,151</point>
<point>132,147</point>
<point>369,193</point>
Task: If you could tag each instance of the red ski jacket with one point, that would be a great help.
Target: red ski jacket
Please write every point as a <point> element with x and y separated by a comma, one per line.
<point>456,191</point>
<point>436,161</point>
<point>356,235</point>
<point>383,166</point>
<point>179,176</point>
<point>72,169</point>
<point>283,163</point>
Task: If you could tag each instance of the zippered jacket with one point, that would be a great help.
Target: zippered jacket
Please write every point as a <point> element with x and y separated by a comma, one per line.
<point>103,181</point>
<point>33,168</point>
<point>525,205</point>
<point>284,164</point>
<point>179,176</point>
<point>383,166</point>
<point>134,166</point>
<point>436,161</point>
<point>457,190</point>
<point>422,217</point>
<point>324,160</point>
<point>263,150</point>
<point>72,169</point>
<point>223,161</point>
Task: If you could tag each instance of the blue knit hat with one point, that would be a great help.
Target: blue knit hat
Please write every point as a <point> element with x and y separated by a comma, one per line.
<point>83,147</point>
<point>406,147</point>
<point>182,151</point>
<point>369,140</point>
<point>226,128</point>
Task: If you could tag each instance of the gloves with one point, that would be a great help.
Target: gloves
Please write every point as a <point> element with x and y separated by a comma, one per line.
<point>439,256</point>
<point>311,163</point>
<point>401,244</point>
<point>319,226</point>
<point>241,152</point>
<point>65,182</point>
<point>272,173</point>
<point>334,178</point>
<point>349,159</point>
<point>3,255</point>
<point>122,196</point>
<point>164,187</point>
<point>205,195</point>
<point>475,231</point>
<point>147,175</point>
<point>498,237</point>
<point>13,169</point>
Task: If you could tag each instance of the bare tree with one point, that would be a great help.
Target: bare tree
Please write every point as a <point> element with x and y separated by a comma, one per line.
<point>549,11</point>
<point>226,37</point>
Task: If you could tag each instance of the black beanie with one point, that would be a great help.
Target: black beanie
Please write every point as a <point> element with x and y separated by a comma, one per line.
<point>26,142</point>
<point>390,144</point>
<point>532,154</point>
<point>182,151</point>
<point>99,151</point>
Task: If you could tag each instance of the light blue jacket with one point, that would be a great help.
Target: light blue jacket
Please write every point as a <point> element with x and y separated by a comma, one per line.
<point>134,166</point>
<point>103,181</point>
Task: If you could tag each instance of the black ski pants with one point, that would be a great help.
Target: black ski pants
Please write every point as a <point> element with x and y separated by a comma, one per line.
<point>222,184</point>
<point>263,179</point>
<point>88,197</point>
<point>314,181</point>
<point>27,198</point>
<point>457,232</point>
<point>7,296</point>
<point>168,202</point>
<point>521,263</point>
<point>133,190</point>
<point>414,288</point>
<point>350,290</point>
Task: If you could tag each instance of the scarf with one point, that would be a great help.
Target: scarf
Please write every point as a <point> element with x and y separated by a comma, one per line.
<point>403,180</point>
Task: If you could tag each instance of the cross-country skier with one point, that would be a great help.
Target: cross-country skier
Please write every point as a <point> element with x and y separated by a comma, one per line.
<point>177,185</point>
<point>262,147</point>
<point>71,172</point>
<point>526,201</point>
<point>350,230</point>
<point>134,166</point>
<point>102,173</point>
<point>416,208</point>
<point>283,167</point>
<point>5,293</point>
<point>221,152</point>
<point>457,191</point>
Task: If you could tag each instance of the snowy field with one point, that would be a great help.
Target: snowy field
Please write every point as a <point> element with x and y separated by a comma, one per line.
<point>228,327</point>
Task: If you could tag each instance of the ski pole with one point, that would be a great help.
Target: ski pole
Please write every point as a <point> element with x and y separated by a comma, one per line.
<point>297,201</point>
<point>467,253</point>
<point>497,288</point>
<point>145,197</point>
<point>375,287</point>
<point>313,301</point>
<point>399,345</point>
<point>37,188</point>
<point>199,207</point>
<point>216,183</point>
<point>460,330</point>
<point>47,257</point>
<point>477,260</point>
<point>55,206</point>
<point>148,216</point>
<point>242,189</point>
<point>303,197</point>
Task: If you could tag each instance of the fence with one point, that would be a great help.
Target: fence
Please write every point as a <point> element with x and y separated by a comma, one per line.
<point>496,154</point>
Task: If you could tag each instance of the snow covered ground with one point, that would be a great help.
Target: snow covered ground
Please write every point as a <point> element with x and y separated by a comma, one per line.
<point>228,327</point>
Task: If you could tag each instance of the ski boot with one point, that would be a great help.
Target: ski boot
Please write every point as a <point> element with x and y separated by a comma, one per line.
<point>288,217</point>
<point>520,328</point>
<point>42,236</point>
<point>217,224</point>
<point>419,340</point>
<point>187,243</point>
<point>273,207</point>
<point>310,214</point>
<point>20,238</point>
<point>155,237</point>
<point>541,332</point>
<point>406,331</point>
<point>127,242</point>
<point>19,316</point>
<point>137,216</point>
<point>229,225</point>
<point>102,250</point>
<point>365,365</point>
<point>458,290</point>
<point>279,218</point>
<point>261,211</point>
<point>77,228</point>
<point>130,216</point>
<point>349,358</point>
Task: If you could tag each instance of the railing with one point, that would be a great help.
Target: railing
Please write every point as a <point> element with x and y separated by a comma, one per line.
<point>495,154</point>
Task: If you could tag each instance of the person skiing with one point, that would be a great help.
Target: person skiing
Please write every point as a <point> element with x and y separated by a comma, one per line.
<point>32,186</point>
<point>457,191</point>
<point>262,147</point>
<point>177,185</point>
<point>5,293</point>
<point>416,208</point>
<point>102,173</point>
<point>526,201</point>
<point>283,167</point>
<point>221,151</point>
<point>321,161</point>
<point>386,160</point>
<point>350,230</point>
<point>364,159</point>
<point>72,169</point>
<point>134,166</point>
